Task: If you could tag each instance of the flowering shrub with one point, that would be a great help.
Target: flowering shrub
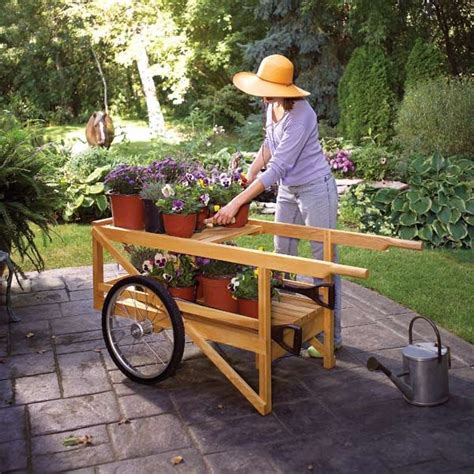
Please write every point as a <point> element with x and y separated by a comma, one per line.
<point>178,199</point>
<point>340,161</point>
<point>125,179</point>
<point>245,283</point>
<point>361,208</point>
<point>172,269</point>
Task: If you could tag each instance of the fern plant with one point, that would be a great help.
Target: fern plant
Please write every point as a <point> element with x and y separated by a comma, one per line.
<point>26,198</point>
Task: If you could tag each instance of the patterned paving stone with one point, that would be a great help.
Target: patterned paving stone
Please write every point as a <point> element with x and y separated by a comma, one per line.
<point>30,337</point>
<point>79,457</point>
<point>13,456</point>
<point>36,388</point>
<point>6,393</point>
<point>13,424</point>
<point>159,463</point>
<point>73,324</point>
<point>83,373</point>
<point>80,295</point>
<point>38,313</point>
<point>251,431</point>
<point>73,413</point>
<point>46,281</point>
<point>145,436</point>
<point>39,298</point>
<point>371,337</point>
<point>152,403</point>
<point>78,308</point>
<point>31,364</point>
<point>241,461</point>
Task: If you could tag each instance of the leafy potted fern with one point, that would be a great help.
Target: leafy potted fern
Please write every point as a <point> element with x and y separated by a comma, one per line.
<point>27,198</point>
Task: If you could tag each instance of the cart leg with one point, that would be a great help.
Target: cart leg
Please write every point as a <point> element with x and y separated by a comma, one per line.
<point>97,271</point>
<point>265,334</point>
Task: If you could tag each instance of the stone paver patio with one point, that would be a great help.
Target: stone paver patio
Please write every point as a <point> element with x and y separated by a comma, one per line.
<point>56,379</point>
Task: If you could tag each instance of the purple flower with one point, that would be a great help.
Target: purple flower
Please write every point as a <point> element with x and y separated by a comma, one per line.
<point>200,261</point>
<point>177,206</point>
<point>204,199</point>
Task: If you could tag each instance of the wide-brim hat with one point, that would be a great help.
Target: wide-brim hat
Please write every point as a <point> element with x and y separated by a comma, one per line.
<point>274,78</point>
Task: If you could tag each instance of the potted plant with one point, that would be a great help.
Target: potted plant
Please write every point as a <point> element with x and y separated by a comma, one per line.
<point>215,279</point>
<point>176,271</point>
<point>179,207</point>
<point>224,188</point>
<point>28,201</point>
<point>244,287</point>
<point>124,184</point>
<point>150,193</point>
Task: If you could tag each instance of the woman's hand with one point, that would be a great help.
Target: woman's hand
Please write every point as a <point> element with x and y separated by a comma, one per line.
<point>226,214</point>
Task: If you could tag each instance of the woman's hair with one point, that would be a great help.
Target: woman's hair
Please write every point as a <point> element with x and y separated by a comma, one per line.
<point>288,102</point>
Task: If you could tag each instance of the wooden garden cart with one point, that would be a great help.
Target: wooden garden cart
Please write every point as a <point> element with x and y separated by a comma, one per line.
<point>144,326</point>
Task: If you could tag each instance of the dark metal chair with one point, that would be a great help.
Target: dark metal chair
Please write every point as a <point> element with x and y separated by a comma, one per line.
<point>5,259</point>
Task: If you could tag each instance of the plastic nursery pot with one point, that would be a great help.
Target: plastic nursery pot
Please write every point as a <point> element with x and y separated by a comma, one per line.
<point>180,225</point>
<point>217,295</point>
<point>242,217</point>
<point>152,217</point>
<point>127,211</point>
<point>201,217</point>
<point>187,293</point>
<point>248,307</point>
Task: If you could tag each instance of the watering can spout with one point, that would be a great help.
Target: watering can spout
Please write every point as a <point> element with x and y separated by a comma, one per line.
<point>373,364</point>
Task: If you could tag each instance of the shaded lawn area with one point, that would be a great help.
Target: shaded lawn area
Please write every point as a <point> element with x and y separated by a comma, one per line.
<point>435,283</point>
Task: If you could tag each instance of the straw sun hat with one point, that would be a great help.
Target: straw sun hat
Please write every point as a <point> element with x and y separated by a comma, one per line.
<point>274,78</point>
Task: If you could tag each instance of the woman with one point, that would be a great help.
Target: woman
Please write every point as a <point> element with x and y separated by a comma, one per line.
<point>293,158</point>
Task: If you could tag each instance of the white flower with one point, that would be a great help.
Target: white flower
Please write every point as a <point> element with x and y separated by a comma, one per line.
<point>147,266</point>
<point>167,191</point>
<point>167,277</point>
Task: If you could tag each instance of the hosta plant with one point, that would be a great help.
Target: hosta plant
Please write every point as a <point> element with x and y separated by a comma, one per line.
<point>439,206</point>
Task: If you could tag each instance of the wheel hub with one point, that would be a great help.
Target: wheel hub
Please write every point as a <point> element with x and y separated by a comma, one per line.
<point>138,330</point>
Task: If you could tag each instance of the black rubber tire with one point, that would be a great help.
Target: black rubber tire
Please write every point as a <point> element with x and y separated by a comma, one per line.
<point>176,322</point>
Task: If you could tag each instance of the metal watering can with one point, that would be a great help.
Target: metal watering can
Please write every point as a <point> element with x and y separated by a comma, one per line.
<point>424,381</point>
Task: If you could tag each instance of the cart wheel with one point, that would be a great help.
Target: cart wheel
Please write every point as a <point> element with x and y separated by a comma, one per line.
<point>143,329</point>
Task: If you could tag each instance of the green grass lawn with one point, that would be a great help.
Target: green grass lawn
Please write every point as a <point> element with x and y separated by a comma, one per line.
<point>435,283</point>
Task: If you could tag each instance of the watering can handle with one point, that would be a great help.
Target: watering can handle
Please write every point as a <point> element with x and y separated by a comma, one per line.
<point>435,329</point>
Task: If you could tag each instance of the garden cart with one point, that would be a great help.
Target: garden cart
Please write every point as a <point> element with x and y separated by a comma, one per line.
<point>144,327</point>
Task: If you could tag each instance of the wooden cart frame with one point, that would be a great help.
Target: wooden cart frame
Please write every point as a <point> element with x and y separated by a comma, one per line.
<point>204,324</point>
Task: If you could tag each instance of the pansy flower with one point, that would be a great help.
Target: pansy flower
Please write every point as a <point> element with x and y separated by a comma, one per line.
<point>167,190</point>
<point>177,206</point>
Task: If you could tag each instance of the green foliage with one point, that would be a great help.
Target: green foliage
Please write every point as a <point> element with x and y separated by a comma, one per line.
<point>439,206</point>
<point>26,198</point>
<point>367,209</point>
<point>217,268</point>
<point>179,199</point>
<point>245,284</point>
<point>251,133</point>
<point>372,162</point>
<point>365,97</point>
<point>226,106</point>
<point>438,115</point>
<point>424,62</point>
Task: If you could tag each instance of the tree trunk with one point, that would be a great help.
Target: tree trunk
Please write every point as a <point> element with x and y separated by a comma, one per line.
<point>156,122</point>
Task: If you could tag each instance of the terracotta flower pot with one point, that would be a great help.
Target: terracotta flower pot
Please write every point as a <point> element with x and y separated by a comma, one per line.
<point>242,217</point>
<point>180,225</point>
<point>217,295</point>
<point>248,307</point>
<point>187,293</point>
<point>153,219</point>
<point>201,217</point>
<point>127,211</point>
<point>199,292</point>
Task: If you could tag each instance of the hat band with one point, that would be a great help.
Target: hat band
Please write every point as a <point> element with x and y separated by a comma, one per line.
<point>274,82</point>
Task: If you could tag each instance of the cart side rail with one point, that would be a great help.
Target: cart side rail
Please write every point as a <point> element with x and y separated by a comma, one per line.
<point>337,237</point>
<point>256,258</point>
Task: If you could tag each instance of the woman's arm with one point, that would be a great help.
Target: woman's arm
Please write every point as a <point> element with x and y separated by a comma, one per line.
<point>225,215</point>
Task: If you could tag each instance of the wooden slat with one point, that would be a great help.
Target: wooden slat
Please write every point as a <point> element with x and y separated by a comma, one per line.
<point>244,388</point>
<point>226,334</point>
<point>114,252</point>
<point>106,221</point>
<point>221,234</point>
<point>97,271</point>
<point>353,239</point>
<point>329,360</point>
<point>243,256</point>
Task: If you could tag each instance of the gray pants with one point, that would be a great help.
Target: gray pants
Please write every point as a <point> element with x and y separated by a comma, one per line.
<point>313,204</point>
